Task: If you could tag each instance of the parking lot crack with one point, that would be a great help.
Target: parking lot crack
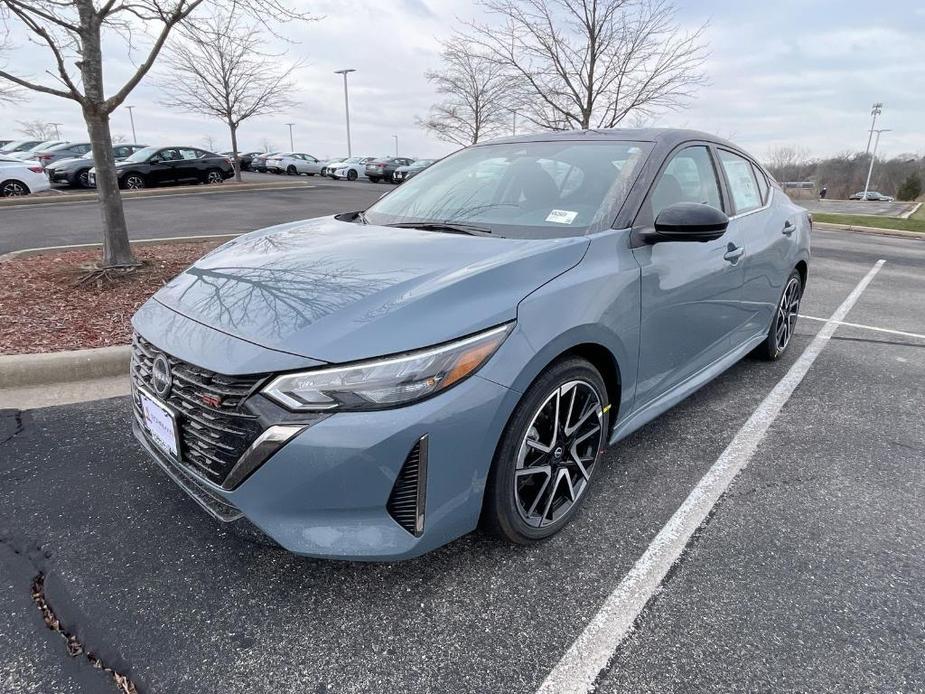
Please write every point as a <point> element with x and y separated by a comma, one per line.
<point>75,647</point>
<point>12,424</point>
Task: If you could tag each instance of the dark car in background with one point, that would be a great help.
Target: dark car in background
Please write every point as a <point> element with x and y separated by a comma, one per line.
<point>382,169</point>
<point>403,173</point>
<point>155,166</point>
<point>259,162</point>
<point>76,171</point>
<point>246,158</point>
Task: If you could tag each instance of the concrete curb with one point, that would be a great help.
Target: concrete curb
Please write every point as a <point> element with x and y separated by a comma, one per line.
<point>63,198</point>
<point>25,370</point>
<point>912,211</point>
<point>25,252</point>
<point>875,231</point>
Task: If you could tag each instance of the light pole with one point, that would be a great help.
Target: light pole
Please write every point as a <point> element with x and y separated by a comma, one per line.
<point>346,72</point>
<point>57,133</point>
<point>514,124</point>
<point>874,156</point>
<point>875,111</point>
<point>291,146</point>
<point>396,144</point>
<point>131,117</point>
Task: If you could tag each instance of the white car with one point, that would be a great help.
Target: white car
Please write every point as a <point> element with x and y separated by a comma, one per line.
<point>19,178</point>
<point>294,163</point>
<point>351,168</point>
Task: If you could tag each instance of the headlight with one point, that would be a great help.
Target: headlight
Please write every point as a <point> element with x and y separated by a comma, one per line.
<point>387,382</point>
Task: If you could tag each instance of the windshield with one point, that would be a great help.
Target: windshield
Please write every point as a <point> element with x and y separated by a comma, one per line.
<point>524,190</point>
<point>142,154</point>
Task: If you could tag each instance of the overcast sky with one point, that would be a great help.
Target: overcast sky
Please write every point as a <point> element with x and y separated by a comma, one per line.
<point>803,73</point>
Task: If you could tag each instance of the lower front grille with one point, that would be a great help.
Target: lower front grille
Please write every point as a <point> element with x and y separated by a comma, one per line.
<point>406,502</point>
<point>214,429</point>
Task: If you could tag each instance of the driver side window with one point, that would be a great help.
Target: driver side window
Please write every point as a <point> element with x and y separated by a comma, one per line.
<point>689,177</point>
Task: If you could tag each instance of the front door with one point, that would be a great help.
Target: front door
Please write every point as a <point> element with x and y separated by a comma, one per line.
<point>690,290</point>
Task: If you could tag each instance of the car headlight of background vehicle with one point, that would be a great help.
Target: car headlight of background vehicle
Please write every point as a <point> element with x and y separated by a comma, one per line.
<point>387,382</point>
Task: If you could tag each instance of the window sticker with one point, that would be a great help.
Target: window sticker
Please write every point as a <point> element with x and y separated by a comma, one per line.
<point>561,216</point>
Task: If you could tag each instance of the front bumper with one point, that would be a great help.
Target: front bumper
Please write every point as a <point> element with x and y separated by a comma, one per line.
<point>327,491</point>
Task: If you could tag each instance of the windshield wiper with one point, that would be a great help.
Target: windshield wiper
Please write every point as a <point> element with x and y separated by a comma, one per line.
<point>452,227</point>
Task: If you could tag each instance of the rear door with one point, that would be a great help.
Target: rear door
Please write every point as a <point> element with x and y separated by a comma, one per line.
<point>690,291</point>
<point>192,164</point>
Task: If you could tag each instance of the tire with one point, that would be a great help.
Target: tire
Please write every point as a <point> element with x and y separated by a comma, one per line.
<point>374,179</point>
<point>519,505</point>
<point>352,175</point>
<point>81,179</point>
<point>13,189</point>
<point>213,176</point>
<point>291,171</point>
<point>133,181</point>
<point>784,322</point>
<point>309,174</point>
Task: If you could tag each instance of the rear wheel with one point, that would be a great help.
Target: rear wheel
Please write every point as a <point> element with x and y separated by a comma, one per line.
<point>374,179</point>
<point>82,178</point>
<point>13,189</point>
<point>134,181</point>
<point>291,171</point>
<point>548,453</point>
<point>352,175</point>
<point>214,176</point>
<point>785,320</point>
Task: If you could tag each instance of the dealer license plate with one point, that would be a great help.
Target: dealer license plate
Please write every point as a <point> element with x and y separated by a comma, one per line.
<point>160,423</point>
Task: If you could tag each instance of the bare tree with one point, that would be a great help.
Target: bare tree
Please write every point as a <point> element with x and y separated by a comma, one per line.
<point>72,31</point>
<point>591,63</point>
<point>216,68</point>
<point>210,143</point>
<point>475,91</point>
<point>266,145</point>
<point>38,129</point>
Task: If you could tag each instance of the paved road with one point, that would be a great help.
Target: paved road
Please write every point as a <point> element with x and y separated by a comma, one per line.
<point>201,212</point>
<point>884,209</point>
<point>809,575</point>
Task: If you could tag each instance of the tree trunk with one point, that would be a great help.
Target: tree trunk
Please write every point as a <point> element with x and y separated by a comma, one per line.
<point>236,162</point>
<point>116,248</point>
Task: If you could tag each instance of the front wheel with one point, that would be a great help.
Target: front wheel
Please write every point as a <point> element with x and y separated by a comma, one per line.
<point>81,179</point>
<point>785,320</point>
<point>134,182</point>
<point>374,179</point>
<point>548,453</point>
<point>13,189</point>
<point>352,175</point>
<point>214,176</point>
<point>291,171</point>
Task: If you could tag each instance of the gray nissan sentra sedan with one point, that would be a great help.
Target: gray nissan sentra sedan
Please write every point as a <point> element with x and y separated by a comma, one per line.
<point>372,385</point>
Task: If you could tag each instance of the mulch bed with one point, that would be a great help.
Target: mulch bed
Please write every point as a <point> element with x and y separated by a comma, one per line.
<point>47,304</point>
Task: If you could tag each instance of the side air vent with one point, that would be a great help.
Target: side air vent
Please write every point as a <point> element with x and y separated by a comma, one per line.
<point>406,502</point>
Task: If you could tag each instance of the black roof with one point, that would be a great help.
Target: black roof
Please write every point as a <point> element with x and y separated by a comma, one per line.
<point>663,136</point>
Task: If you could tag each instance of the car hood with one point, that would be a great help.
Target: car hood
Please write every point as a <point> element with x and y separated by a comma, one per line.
<point>337,291</point>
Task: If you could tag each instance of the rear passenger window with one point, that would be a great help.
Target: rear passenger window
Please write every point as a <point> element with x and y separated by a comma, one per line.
<point>689,177</point>
<point>742,183</point>
<point>763,187</point>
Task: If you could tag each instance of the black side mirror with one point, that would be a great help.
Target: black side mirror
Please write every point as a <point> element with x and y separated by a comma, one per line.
<point>688,221</point>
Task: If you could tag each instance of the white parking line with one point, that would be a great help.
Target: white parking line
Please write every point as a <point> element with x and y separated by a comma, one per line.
<point>867,327</point>
<point>587,657</point>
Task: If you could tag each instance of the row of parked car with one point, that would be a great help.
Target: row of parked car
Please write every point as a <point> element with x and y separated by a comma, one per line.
<point>391,169</point>
<point>30,166</point>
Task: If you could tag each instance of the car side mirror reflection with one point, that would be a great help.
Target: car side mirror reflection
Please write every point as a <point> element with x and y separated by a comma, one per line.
<point>688,221</point>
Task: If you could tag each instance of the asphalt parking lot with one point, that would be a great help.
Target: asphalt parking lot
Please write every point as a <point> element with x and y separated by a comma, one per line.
<point>881,209</point>
<point>202,211</point>
<point>809,574</point>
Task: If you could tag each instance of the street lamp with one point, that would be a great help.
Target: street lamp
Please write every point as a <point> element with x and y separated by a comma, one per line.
<point>291,146</point>
<point>514,124</point>
<point>346,72</point>
<point>131,117</point>
<point>874,156</point>
<point>57,133</point>
<point>395,137</point>
<point>875,111</point>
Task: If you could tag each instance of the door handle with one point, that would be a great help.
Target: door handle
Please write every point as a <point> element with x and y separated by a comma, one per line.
<point>789,228</point>
<point>733,253</point>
